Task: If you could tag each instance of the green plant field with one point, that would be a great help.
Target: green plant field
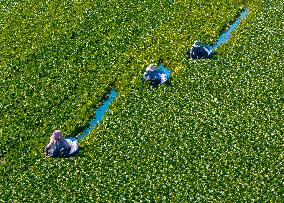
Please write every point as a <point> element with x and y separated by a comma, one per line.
<point>214,135</point>
<point>57,64</point>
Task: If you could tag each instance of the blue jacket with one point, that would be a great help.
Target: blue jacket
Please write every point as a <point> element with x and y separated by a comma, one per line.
<point>200,52</point>
<point>159,76</point>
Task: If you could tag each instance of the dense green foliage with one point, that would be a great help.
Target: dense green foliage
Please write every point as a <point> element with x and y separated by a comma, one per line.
<point>214,135</point>
<point>58,63</point>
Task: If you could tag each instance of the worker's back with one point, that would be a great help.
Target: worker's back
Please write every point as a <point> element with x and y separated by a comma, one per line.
<point>199,51</point>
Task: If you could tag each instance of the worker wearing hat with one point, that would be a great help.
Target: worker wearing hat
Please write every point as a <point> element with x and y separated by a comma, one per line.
<point>199,51</point>
<point>156,76</point>
<point>57,146</point>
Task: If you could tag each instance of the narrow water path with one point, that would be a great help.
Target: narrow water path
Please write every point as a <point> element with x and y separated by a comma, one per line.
<point>226,35</point>
<point>99,114</point>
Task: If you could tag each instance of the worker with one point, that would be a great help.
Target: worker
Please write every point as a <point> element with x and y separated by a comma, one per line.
<point>156,76</point>
<point>199,51</point>
<point>57,146</point>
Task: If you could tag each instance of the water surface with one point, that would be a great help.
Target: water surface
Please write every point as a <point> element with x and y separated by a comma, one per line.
<point>226,35</point>
<point>99,114</point>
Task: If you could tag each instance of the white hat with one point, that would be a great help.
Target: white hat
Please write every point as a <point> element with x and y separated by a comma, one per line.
<point>56,135</point>
<point>196,44</point>
<point>151,67</point>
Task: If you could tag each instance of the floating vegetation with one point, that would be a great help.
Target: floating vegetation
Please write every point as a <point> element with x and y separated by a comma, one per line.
<point>213,136</point>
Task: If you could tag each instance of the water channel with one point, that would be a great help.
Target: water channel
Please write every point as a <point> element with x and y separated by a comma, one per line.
<point>99,114</point>
<point>227,34</point>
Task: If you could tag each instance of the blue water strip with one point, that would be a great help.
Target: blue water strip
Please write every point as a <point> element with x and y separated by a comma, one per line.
<point>226,35</point>
<point>99,114</point>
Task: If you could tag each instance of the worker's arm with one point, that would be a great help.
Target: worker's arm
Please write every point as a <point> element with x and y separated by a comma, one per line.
<point>142,79</point>
<point>191,54</point>
<point>66,144</point>
<point>51,142</point>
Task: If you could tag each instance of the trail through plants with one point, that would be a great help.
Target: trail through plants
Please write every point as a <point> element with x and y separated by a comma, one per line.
<point>226,35</point>
<point>99,114</point>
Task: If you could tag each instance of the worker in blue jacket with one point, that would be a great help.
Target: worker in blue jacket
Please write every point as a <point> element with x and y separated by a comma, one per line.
<point>59,146</point>
<point>199,51</point>
<point>156,76</point>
